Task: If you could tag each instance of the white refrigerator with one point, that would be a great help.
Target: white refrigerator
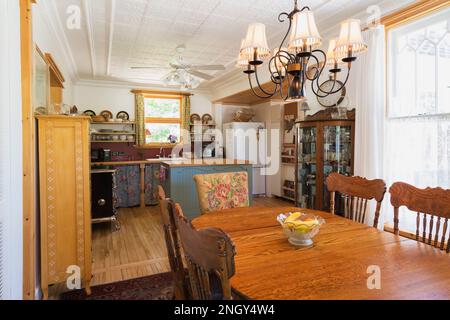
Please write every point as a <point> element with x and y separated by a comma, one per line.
<point>247,141</point>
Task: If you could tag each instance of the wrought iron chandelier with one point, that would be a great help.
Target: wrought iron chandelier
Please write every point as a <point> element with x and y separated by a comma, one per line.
<point>301,60</point>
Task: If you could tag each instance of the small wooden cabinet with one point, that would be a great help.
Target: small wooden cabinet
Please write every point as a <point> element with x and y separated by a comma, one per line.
<point>65,206</point>
<point>325,144</point>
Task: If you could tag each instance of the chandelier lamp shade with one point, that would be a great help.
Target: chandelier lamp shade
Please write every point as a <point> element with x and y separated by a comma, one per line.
<point>297,59</point>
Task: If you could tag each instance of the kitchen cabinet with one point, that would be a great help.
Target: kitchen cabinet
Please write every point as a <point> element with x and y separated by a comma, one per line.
<point>65,199</point>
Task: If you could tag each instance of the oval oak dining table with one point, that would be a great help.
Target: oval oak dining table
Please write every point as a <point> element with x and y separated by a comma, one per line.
<point>338,266</point>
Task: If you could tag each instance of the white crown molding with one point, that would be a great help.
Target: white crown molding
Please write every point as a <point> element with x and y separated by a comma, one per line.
<point>109,40</point>
<point>133,85</point>
<point>90,35</point>
<point>54,22</point>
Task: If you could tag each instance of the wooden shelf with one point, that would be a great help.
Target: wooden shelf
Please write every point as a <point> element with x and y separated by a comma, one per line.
<point>116,123</point>
<point>113,133</point>
<point>287,198</point>
<point>289,145</point>
<point>288,157</point>
<point>288,189</point>
<point>288,164</point>
<point>111,141</point>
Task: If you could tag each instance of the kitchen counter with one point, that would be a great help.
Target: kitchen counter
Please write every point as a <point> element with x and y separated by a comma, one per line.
<point>177,162</point>
<point>126,163</point>
<point>138,180</point>
<point>204,163</point>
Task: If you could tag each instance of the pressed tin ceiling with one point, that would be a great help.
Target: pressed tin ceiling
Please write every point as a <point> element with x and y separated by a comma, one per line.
<point>118,34</point>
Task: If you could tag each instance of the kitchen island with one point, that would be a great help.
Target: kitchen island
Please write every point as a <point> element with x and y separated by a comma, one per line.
<point>137,181</point>
<point>177,179</point>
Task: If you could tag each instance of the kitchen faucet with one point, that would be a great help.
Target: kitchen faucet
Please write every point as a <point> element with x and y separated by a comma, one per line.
<point>161,153</point>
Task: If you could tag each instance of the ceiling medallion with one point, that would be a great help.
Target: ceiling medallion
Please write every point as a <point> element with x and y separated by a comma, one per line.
<point>290,67</point>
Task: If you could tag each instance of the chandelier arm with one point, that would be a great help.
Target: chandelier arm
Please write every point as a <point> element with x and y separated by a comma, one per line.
<point>254,92</point>
<point>317,92</point>
<point>333,91</point>
<point>274,74</point>
<point>317,68</point>
<point>287,33</point>
<point>280,19</point>
<point>343,84</point>
<point>270,94</point>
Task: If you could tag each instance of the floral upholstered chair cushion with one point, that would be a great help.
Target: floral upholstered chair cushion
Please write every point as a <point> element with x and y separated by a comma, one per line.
<point>222,191</point>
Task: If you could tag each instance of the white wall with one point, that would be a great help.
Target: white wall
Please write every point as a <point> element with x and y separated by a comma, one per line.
<point>11,241</point>
<point>116,98</point>
<point>49,41</point>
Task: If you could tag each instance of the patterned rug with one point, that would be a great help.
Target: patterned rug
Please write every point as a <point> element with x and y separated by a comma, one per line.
<point>156,287</point>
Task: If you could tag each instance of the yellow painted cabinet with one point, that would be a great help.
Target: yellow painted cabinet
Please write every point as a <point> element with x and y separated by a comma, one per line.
<point>64,181</point>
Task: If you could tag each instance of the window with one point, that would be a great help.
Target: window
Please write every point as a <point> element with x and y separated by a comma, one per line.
<point>419,64</point>
<point>163,119</point>
<point>417,145</point>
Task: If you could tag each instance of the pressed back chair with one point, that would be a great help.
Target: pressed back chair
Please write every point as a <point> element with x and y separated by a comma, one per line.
<point>432,203</point>
<point>356,193</point>
<point>222,191</point>
<point>209,254</point>
<point>173,245</point>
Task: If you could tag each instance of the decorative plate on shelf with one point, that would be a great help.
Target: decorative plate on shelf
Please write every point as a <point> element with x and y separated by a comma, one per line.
<point>332,100</point>
<point>207,118</point>
<point>123,115</point>
<point>107,115</point>
<point>195,118</point>
<point>89,113</point>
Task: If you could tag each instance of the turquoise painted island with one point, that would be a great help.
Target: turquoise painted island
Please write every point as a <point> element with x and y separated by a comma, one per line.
<point>177,179</point>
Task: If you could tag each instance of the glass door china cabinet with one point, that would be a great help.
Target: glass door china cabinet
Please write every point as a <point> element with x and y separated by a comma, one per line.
<point>325,144</point>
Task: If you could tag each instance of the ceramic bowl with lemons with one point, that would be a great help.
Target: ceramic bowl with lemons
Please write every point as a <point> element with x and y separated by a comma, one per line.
<point>300,228</point>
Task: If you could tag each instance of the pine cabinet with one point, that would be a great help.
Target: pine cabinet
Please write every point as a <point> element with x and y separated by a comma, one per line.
<point>65,208</point>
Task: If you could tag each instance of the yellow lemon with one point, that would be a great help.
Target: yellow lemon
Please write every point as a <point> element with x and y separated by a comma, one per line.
<point>293,217</point>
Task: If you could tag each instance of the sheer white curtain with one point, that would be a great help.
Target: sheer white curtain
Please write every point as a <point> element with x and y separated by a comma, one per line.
<point>417,137</point>
<point>367,94</point>
<point>418,153</point>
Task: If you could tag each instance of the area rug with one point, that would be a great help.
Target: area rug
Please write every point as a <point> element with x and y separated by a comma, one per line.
<point>156,287</point>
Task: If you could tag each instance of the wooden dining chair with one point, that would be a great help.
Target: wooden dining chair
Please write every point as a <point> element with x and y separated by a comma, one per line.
<point>356,192</point>
<point>209,254</point>
<point>432,203</point>
<point>173,246</point>
<point>222,191</point>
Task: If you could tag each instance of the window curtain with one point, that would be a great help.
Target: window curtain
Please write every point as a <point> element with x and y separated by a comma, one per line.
<point>140,121</point>
<point>186,106</point>
<point>418,153</point>
<point>366,90</point>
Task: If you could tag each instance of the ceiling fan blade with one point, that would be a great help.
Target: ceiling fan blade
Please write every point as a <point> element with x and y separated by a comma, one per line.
<point>208,67</point>
<point>139,68</point>
<point>200,74</point>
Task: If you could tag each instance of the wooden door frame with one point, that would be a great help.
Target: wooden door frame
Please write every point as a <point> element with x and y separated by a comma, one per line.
<point>29,152</point>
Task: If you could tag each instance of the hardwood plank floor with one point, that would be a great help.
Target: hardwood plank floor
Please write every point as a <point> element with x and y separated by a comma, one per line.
<point>138,248</point>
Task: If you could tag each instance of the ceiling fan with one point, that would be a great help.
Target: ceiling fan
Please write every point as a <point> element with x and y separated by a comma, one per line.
<point>183,73</point>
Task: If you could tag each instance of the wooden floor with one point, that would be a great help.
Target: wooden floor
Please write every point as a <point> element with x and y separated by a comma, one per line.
<point>138,248</point>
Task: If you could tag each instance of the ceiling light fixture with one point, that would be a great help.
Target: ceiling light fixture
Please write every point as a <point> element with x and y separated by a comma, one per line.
<point>301,60</point>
